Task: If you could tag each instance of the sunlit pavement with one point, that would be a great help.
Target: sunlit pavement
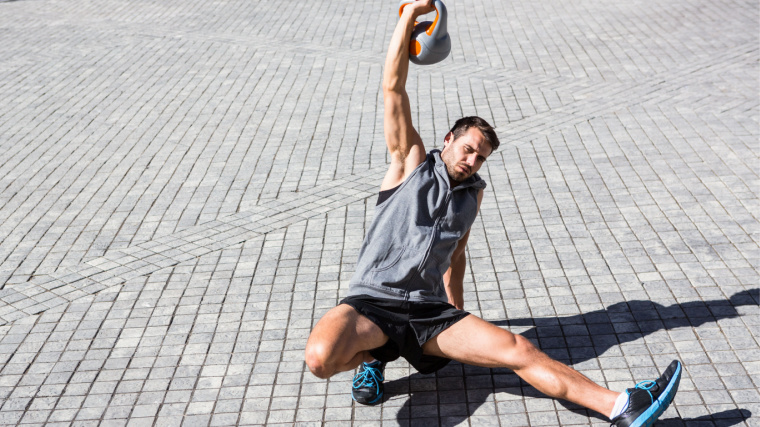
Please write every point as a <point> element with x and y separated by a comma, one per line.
<point>184,187</point>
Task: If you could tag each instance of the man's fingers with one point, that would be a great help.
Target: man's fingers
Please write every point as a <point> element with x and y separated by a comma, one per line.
<point>424,6</point>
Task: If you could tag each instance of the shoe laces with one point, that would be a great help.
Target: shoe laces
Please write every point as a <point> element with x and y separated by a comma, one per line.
<point>369,377</point>
<point>646,386</point>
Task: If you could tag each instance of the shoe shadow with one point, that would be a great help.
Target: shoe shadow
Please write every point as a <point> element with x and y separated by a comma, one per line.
<point>725,418</point>
<point>457,392</point>
<point>719,419</point>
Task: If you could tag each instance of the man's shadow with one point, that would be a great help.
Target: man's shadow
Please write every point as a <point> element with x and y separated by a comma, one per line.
<point>454,393</point>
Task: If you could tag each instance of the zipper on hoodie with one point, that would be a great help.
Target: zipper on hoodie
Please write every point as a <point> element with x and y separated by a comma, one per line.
<point>434,233</point>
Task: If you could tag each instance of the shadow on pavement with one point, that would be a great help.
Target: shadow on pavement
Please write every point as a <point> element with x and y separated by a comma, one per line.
<point>567,338</point>
<point>454,393</point>
<point>719,419</point>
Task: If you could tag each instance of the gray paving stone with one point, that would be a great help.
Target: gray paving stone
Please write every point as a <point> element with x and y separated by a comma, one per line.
<point>184,190</point>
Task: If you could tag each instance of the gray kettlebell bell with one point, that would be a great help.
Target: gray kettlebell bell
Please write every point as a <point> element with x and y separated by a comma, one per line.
<point>430,42</point>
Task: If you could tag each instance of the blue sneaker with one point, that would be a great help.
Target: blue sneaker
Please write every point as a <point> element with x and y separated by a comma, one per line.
<point>649,399</point>
<point>368,383</point>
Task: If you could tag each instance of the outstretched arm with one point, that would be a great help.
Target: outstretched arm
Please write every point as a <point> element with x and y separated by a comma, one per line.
<point>453,279</point>
<point>404,143</point>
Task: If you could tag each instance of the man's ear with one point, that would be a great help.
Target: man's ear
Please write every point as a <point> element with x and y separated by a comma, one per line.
<point>447,139</point>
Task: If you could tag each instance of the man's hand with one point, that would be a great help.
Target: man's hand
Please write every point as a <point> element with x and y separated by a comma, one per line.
<point>419,7</point>
<point>455,294</point>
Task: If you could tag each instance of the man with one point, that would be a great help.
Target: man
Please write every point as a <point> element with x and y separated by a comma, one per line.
<point>405,298</point>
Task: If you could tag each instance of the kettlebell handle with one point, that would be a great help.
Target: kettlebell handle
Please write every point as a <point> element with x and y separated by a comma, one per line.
<point>440,9</point>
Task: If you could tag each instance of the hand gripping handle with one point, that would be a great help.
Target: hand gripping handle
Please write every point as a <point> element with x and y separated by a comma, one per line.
<point>439,23</point>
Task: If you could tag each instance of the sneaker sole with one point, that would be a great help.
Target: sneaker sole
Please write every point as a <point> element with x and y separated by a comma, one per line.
<point>648,417</point>
<point>371,402</point>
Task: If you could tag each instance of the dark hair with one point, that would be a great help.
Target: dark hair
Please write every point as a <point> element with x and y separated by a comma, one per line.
<point>461,126</point>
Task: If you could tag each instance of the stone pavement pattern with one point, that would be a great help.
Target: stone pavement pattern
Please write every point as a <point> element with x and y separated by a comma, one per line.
<point>184,189</point>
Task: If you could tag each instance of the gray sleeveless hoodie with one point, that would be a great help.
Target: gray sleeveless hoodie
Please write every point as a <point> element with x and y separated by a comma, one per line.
<point>409,245</point>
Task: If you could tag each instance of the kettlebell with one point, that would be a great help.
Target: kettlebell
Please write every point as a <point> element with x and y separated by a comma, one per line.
<point>430,42</point>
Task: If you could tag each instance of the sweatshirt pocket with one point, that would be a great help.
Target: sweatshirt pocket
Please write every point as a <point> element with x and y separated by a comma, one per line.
<point>391,259</point>
<point>395,271</point>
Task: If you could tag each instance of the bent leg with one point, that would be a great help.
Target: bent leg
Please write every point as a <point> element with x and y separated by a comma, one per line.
<point>340,341</point>
<point>476,342</point>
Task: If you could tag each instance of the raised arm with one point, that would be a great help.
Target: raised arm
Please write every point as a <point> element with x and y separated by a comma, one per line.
<point>404,143</point>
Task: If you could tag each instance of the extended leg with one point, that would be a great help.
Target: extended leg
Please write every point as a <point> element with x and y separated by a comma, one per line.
<point>340,341</point>
<point>476,342</point>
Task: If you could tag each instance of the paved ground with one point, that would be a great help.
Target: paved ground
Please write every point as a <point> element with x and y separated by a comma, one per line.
<point>184,187</point>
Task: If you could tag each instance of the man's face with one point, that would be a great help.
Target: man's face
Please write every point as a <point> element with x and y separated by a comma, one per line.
<point>465,155</point>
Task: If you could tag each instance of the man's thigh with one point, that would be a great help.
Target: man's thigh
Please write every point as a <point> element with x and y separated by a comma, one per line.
<point>476,342</point>
<point>342,331</point>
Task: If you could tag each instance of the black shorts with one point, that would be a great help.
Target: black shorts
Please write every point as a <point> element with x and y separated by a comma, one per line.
<point>409,325</point>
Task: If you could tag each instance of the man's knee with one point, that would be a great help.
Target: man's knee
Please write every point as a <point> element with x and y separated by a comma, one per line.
<point>520,352</point>
<point>317,357</point>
